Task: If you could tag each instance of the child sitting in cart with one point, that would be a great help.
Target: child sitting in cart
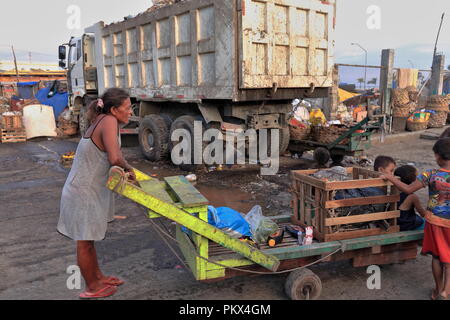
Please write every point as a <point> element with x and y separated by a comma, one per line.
<point>384,164</point>
<point>409,203</point>
<point>437,226</point>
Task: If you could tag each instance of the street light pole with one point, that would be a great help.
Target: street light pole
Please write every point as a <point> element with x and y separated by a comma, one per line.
<point>365,65</point>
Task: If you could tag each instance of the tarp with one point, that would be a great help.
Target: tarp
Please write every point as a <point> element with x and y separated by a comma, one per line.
<point>27,84</point>
<point>345,95</point>
<point>407,77</point>
<point>59,101</point>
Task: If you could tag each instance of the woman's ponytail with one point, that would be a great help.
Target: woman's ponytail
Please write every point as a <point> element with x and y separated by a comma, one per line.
<point>93,111</point>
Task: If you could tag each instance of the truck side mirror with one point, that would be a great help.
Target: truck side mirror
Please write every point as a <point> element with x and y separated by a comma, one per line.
<point>62,52</point>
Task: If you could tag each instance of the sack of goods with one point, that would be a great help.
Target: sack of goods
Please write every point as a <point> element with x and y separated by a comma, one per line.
<point>316,117</point>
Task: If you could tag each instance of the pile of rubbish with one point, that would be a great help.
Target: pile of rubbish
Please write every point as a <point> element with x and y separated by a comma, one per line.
<point>334,174</point>
<point>307,122</point>
<point>340,174</point>
<point>4,105</point>
<point>158,4</point>
<point>254,228</point>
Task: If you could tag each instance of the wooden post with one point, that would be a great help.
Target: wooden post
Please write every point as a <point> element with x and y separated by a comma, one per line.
<point>386,78</point>
<point>333,100</point>
<point>15,64</point>
<point>437,74</point>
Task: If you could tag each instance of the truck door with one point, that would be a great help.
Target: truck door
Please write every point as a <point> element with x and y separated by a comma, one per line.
<point>90,69</point>
<point>289,43</point>
<point>76,67</point>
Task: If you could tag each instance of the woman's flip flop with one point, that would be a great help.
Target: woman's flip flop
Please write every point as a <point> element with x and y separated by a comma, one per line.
<point>102,293</point>
<point>113,281</point>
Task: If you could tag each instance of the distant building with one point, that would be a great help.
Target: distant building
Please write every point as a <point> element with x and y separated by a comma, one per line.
<point>446,87</point>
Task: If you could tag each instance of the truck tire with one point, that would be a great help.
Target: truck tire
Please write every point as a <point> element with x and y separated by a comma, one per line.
<point>83,122</point>
<point>285,138</point>
<point>154,137</point>
<point>187,123</point>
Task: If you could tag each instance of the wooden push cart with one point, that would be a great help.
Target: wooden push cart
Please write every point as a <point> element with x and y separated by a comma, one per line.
<point>212,255</point>
<point>349,143</point>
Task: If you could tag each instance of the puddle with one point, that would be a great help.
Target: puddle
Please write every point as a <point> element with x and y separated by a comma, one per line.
<point>227,197</point>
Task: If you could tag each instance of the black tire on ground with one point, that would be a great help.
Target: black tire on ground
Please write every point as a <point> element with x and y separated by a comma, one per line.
<point>303,284</point>
<point>187,123</point>
<point>322,156</point>
<point>154,137</point>
<point>83,122</point>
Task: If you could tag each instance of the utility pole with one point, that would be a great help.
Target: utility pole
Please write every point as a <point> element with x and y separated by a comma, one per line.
<point>15,63</point>
<point>365,65</point>
<point>437,38</point>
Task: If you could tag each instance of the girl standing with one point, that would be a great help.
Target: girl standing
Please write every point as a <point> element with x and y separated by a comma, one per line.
<point>437,227</point>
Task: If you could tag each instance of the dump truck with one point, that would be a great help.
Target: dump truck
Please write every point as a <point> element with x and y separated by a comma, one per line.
<point>222,62</point>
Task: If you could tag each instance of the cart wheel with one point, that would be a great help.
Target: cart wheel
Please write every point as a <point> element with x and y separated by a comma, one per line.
<point>321,156</point>
<point>303,284</point>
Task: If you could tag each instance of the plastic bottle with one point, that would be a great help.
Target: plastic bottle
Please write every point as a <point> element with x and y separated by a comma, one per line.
<point>300,238</point>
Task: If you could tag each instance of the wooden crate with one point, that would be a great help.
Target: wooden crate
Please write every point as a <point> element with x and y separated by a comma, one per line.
<point>13,135</point>
<point>12,122</point>
<point>314,204</point>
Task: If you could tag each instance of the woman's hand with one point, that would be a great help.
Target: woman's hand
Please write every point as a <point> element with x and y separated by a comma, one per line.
<point>131,175</point>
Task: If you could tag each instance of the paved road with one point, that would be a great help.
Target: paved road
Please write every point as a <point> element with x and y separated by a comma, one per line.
<point>34,257</point>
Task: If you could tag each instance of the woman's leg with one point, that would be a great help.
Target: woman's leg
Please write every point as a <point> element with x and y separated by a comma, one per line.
<point>446,279</point>
<point>438,274</point>
<point>87,261</point>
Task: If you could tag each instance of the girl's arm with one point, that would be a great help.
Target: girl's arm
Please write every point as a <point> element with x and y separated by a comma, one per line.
<point>406,188</point>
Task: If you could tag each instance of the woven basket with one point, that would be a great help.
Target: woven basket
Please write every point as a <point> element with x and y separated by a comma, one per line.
<point>400,97</point>
<point>437,103</point>
<point>405,110</point>
<point>299,133</point>
<point>401,112</point>
<point>438,119</point>
<point>416,126</point>
<point>413,93</point>
<point>328,135</point>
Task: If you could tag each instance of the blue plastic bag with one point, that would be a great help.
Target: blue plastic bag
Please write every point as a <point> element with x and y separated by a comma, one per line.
<point>228,220</point>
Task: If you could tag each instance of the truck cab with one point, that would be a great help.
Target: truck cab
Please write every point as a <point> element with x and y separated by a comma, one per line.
<point>82,74</point>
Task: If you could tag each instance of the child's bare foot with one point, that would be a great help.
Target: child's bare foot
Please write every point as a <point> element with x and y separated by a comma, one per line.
<point>443,296</point>
<point>434,294</point>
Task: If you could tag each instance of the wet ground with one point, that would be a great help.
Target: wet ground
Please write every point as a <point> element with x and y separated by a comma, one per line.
<point>34,257</point>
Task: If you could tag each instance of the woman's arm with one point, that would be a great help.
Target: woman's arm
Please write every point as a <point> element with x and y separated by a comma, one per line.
<point>109,135</point>
<point>406,188</point>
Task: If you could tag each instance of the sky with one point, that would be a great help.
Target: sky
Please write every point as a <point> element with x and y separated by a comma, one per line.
<point>409,26</point>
